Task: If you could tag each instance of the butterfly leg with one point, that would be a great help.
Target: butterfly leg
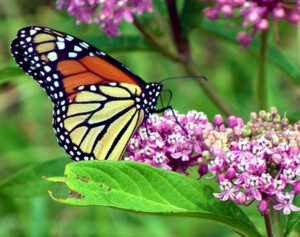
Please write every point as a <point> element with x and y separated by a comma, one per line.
<point>147,131</point>
<point>175,117</point>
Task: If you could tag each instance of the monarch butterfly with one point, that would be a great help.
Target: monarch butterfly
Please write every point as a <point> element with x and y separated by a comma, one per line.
<point>98,102</point>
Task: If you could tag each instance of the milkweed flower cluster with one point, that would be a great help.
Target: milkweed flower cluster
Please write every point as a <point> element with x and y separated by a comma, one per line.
<point>254,161</point>
<point>107,13</point>
<point>165,144</point>
<point>256,15</point>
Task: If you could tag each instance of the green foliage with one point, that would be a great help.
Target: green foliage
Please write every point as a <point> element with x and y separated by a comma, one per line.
<point>190,17</point>
<point>275,56</point>
<point>142,188</point>
<point>119,44</point>
<point>29,181</point>
<point>9,72</point>
<point>27,139</point>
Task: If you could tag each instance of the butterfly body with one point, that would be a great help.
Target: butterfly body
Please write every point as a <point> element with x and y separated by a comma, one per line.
<point>98,102</point>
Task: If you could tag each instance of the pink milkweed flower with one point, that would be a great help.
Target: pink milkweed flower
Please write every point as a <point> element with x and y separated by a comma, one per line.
<point>229,193</point>
<point>285,203</point>
<point>255,15</point>
<point>107,13</point>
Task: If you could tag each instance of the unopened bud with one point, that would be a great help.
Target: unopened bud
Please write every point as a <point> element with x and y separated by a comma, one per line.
<point>240,198</point>
<point>263,207</point>
<point>203,170</point>
<point>231,173</point>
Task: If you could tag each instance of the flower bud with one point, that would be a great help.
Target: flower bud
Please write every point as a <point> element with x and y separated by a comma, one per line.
<point>205,154</point>
<point>231,173</point>
<point>262,24</point>
<point>229,132</point>
<point>294,150</point>
<point>240,122</point>
<point>227,10</point>
<point>246,131</point>
<point>238,3</point>
<point>263,207</point>
<point>240,198</point>
<point>278,13</point>
<point>221,178</point>
<point>285,121</point>
<point>296,187</point>
<point>294,17</point>
<point>273,111</point>
<point>244,38</point>
<point>269,117</point>
<point>237,131</point>
<point>218,120</point>
<point>262,114</point>
<point>211,14</point>
<point>277,118</point>
<point>275,140</point>
<point>231,121</point>
<point>203,170</point>
<point>253,116</point>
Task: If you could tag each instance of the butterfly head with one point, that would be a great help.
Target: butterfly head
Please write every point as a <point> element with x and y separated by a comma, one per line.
<point>149,97</point>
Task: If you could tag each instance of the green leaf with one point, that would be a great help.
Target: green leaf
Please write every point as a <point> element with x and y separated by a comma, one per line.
<point>274,55</point>
<point>9,72</point>
<point>117,44</point>
<point>29,181</point>
<point>142,188</point>
<point>294,217</point>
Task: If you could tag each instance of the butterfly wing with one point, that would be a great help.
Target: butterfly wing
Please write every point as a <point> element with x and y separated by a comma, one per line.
<point>94,96</point>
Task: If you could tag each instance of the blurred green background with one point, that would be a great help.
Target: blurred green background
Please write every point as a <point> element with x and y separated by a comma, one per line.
<point>26,135</point>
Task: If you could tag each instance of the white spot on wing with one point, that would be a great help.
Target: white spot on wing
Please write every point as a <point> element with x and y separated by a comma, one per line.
<point>93,88</point>
<point>77,48</point>
<point>84,44</point>
<point>60,39</point>
<point>47,68</point>
<point>60,45</point>
<point>69,37</point>
<point>72,54</point>
<point>52,56</point>
<point>32,32</point>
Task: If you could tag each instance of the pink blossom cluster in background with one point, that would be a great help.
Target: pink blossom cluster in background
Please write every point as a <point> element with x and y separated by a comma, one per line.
<point>107,13</point>
<point>258,160</point>
<point>256,15</point>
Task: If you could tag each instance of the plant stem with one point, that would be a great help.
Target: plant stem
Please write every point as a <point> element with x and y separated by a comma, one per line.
<point>261,80</point>
<point>273,222</point>
<point>268,225</point>
<point>183,49</point>
<point>180,41</point>
<point>183,57</point>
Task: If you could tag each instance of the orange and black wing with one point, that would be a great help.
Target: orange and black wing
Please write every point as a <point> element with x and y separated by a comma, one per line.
<point>94,96</point>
